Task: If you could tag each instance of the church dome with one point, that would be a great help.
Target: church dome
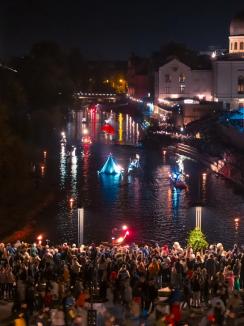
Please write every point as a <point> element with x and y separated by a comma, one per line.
<point>237,24</point>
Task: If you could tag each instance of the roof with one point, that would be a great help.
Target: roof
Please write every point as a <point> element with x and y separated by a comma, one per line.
<point>237,24</point>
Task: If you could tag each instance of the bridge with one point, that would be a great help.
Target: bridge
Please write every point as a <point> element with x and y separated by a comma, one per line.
<point>96,96</point>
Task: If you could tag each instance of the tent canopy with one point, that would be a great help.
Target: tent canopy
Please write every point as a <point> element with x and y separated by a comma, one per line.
<point>110,167</point>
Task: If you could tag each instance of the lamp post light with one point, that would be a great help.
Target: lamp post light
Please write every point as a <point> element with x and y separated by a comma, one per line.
<point>39,238</point>
<point>198,216</point>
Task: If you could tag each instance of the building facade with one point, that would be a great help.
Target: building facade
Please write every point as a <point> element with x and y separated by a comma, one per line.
<point>177,80</point>
<point>224,82</point>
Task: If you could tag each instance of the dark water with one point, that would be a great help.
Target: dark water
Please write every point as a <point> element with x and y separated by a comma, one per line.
<point>147,203</point>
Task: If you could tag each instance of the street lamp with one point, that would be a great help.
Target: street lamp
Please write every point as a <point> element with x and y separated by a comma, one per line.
<point>198,216</point>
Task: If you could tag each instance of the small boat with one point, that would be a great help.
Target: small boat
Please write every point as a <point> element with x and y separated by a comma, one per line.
<point>110,167</point>
<point>134,166</point>
<point>177,182</point>
<point>119,235</point>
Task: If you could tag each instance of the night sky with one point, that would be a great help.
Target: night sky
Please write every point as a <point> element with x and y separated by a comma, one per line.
<point>113,29</point>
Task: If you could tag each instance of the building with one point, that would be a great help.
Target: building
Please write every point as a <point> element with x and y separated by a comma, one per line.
<point>178,80</point>
<point>228,70</point>
<point>222,82</point>
<point>138,77</point>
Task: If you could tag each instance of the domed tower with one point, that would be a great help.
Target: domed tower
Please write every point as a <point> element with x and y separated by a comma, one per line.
<point>236,38</point>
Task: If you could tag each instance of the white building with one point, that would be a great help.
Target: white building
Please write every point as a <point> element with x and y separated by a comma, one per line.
<point>223,83</point>
<point>177,80</point>
<point>228,70</point>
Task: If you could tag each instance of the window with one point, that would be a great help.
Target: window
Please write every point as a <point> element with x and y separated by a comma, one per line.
<point>167,78</point>
<point>182,88</point>
<point>240,87</point>
<point>167,90</point>
<point>231,45</point>
<point>182,78</point>
<point>241,46</point>
<point>235,46</point>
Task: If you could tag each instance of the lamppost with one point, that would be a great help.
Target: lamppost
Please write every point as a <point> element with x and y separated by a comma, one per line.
<point>80,226</point>
<point>198,216</point>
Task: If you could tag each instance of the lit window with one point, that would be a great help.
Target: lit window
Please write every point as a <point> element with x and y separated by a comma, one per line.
<point>167,78</point>
<point>240,87</point>
<point>167,90</point>
<point>241,46</point>
<point>182,78</point>
<point>182,88</point>
<point>235,46</point>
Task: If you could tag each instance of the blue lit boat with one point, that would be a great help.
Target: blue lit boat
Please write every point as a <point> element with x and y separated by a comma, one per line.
<point>110,167</point>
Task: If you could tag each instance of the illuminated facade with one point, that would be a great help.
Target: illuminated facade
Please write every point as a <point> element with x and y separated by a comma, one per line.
<point>177,80</point>
<point>223,83</point>
<point>228,70</point>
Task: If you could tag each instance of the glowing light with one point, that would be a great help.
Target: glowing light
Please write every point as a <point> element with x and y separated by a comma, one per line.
<point>120,239</point>
<point>45,154</point>
<point>39,239</point>
<point>63,134</point>
<point>181,129</point>
<point>42,170</point>
<point>199,217</point>
<point>120,127</point>
<point>237,220</point>
<point>85,131</point>
<point>164,152</point>
<point>124,227</point>
<point>71,202</point>
<point>213,55</point>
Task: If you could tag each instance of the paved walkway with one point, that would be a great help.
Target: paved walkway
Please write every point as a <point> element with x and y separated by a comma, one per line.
<point>5,312</point>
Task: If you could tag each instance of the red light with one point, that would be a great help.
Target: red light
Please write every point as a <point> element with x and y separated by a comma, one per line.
<point>124,227</point>
<point>127,233</point>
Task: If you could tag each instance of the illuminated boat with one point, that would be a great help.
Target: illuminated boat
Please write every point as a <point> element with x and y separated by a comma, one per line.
<point>177,182</point>
<point>134,166</point>
<point>108,129</point>
<point>110,167</point>
<point>119,235</point>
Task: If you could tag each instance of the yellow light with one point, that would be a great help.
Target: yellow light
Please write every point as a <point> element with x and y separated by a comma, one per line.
<point>120,127</point>
<point>236,220</point>
<point>42,170</point>
<point>121,80</point>
<point>45,154</point>
<point>120,239</point>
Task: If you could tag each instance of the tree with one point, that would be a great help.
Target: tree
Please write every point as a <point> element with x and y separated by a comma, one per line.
<point>197,240</point>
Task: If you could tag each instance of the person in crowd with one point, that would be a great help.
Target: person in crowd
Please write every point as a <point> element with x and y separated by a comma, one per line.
<point>56,285</point>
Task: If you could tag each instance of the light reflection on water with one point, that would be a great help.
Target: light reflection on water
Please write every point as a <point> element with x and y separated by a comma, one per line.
<point>154,210</point>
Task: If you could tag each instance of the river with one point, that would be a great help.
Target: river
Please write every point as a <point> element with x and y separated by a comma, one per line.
<point>153,209</point>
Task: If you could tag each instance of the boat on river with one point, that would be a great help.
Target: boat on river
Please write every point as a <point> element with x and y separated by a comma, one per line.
<point>177,181</point>
<point>110,167</point>
<point>134,166</point>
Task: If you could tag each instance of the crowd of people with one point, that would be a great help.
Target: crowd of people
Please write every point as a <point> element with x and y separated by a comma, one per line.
<point>120,285</point>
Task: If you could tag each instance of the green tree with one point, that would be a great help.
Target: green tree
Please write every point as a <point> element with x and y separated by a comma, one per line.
<point>197,240</point>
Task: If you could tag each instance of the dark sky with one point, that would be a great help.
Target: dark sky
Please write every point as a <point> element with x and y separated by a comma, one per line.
<point>114,29</point>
